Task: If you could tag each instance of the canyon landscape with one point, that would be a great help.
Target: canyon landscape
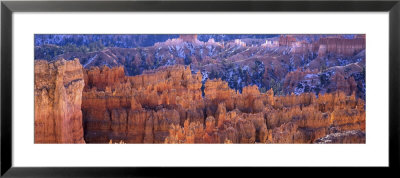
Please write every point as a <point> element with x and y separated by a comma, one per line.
<point>205,88</point>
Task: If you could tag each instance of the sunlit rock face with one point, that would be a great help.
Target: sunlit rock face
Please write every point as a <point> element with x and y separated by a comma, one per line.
<point>58,98</point>
<point>139,109</point>
<point>166,106</point>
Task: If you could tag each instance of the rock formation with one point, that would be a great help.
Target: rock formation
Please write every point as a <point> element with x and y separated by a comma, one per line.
<point>293,121</point>
<point>139,109</point>
<point>188,37</point>
<point>287,90</point>
<point>166,106</point>
<point>286,40</point>
<point>342,46</point>
<point>58,98</point>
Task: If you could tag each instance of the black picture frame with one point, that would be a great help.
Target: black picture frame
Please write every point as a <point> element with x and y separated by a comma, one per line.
<point>8,7</point>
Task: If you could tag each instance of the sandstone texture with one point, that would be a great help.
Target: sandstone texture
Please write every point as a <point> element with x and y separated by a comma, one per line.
<point>167,106</point>
<point>58,98</point>
<point>139,109</point>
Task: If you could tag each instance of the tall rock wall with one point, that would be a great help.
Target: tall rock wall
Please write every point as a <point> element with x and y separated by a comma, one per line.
<point>347,47</point>
<point>58,98</point>
<point>286,40</point>
<point>333,45</point>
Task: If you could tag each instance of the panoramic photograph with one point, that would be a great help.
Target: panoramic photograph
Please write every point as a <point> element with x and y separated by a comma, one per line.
<point>200,88</point>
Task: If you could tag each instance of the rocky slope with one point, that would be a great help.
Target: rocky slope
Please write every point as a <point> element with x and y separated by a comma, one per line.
<point>243,62</point>
<point>58,98</point>
<point>128,41</point>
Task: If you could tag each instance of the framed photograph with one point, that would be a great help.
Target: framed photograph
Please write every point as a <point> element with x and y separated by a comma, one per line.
<point>111,89</point>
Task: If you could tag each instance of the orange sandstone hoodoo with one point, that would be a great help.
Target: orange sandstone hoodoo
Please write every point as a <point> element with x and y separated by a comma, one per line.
<point>166,106</point>
<point>58,98</point>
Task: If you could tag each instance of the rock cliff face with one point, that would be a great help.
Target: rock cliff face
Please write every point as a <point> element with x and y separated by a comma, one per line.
<point>166,106</point>
<point>188,38</point>
<point>331,45</point>
<point>139,109</point>
<point>347,47</point>
<point>58,98</point>
<point>286,40</point>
